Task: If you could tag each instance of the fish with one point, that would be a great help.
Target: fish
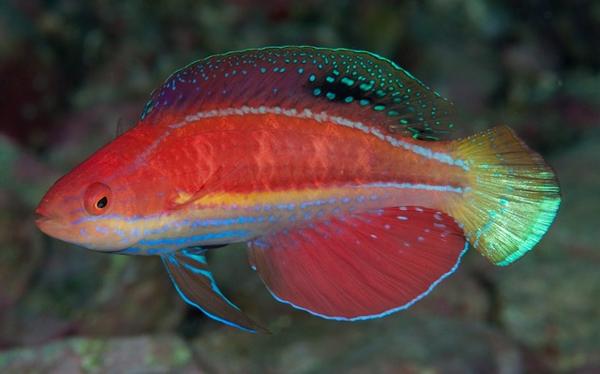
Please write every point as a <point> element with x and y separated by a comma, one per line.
<point>336,167</point>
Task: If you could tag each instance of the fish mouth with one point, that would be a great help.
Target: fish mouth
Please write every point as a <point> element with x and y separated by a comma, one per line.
<point>40,216</point>
<point>55,229</point>
<point>46,223</point>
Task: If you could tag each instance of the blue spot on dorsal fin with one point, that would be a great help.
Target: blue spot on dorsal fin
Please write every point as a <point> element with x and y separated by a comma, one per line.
<point>356,85</point>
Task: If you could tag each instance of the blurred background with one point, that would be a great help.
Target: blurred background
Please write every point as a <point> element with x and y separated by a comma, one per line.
<point>71,70</point>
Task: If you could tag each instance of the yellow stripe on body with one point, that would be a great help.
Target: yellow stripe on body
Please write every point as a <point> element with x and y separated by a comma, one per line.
<point>383,189</point>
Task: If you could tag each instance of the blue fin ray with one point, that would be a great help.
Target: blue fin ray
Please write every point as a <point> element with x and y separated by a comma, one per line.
<point>195,284</point>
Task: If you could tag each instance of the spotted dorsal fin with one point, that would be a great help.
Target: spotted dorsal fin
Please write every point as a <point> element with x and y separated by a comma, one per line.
<point>353,85</point>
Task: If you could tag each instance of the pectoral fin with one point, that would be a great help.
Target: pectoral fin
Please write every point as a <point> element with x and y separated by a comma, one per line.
<point>196,286</point>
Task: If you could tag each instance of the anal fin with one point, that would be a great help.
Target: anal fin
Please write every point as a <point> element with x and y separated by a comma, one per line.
<point>196,286</point>
<point>362,266</point>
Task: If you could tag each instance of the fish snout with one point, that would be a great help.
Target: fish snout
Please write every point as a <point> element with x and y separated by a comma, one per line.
<point>51,224</point>
<point>44,220</point>
<point>41,213</point>
<point>44,223</point>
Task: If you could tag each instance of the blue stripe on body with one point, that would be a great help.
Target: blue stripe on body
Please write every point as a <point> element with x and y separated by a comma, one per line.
<point>158,251</point>
<point>417,186</point>
<point>130,251</point>
<point>185,241</point>
<point>205,223</point>
<point>165,245</point>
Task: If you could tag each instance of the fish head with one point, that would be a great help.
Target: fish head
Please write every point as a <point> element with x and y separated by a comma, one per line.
<point>99,204</point>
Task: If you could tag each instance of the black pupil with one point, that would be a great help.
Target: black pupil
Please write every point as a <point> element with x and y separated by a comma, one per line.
<point>102,203</point>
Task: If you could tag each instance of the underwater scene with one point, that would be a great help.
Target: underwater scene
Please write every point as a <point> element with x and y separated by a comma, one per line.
<point>312,186</point>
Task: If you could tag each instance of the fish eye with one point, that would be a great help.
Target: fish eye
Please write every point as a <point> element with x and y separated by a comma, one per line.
<point>97,198</point>
<point>101,204</point>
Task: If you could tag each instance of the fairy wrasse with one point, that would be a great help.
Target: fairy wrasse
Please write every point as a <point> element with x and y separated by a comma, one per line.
<point>335,167</point>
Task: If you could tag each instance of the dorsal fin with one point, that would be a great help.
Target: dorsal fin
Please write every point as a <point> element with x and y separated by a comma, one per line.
<point>355,85</point>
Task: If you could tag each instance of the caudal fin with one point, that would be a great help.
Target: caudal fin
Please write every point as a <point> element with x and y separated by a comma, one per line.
<point>513,199</point>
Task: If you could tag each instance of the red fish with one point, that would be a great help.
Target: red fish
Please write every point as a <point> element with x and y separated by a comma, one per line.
<point>334,165</point>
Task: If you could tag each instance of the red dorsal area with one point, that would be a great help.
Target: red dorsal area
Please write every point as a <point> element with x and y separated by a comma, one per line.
<point>361,266</point>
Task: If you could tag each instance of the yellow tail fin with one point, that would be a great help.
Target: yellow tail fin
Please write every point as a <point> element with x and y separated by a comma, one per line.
<point>513,196</point>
